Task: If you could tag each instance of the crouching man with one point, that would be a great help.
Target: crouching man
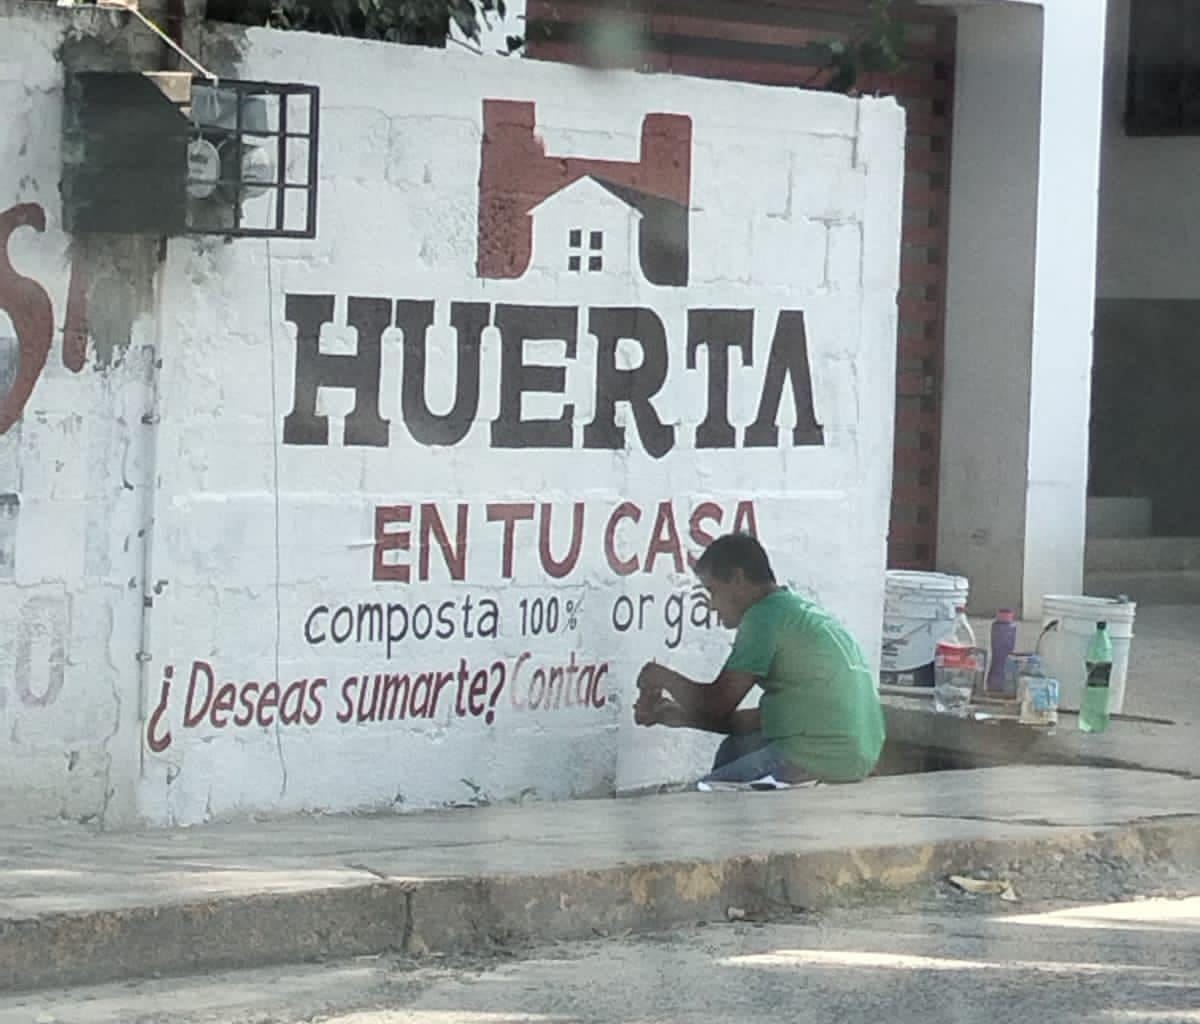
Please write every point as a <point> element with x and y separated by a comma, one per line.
<point>819,717</point>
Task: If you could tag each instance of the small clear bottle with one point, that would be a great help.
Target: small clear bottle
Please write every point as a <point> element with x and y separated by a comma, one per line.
<point>956,668</point>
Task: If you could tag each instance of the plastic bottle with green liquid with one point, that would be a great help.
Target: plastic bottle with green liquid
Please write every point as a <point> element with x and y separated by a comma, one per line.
<point>1093,709</point>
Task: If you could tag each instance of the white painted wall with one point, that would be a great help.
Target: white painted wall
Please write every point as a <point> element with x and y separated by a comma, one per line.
<point>251,535</point>
<point>73,466</point>
<point>1020,301</point>
<point>399,220</point>
<point>1149,200</point>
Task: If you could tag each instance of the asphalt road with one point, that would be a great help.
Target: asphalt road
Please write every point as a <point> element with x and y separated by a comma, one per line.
<point>956,961</point>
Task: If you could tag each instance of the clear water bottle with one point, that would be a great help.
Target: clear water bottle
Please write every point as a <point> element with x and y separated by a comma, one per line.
<point>957,666</point>
<point>1093,709</point>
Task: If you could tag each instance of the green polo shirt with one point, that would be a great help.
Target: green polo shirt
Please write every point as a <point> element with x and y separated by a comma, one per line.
<point>819,704</point>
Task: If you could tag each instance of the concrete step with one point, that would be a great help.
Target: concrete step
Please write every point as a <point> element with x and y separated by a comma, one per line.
<point>1118,517</point>
<point>1142,554</point>
<point>1146,588</point>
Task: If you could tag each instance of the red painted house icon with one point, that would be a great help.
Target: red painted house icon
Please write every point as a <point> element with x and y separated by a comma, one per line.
<point>583,216</point>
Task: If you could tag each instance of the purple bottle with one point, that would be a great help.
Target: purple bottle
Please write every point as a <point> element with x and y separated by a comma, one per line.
<point>1004,642</point>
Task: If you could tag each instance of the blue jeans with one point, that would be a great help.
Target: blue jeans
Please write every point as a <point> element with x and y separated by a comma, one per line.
<point>749,757</point>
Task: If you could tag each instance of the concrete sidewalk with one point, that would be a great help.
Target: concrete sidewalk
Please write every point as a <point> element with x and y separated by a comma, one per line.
<point>918,736</point>
<point>1161,732</point>
<point>82,906</point>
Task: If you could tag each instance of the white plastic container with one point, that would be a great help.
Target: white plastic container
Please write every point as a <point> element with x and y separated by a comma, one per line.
<point>918,610</point>
<point>1067,626</point>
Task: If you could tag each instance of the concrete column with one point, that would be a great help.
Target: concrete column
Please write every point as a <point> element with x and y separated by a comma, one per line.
<point>1019,302</point>
<point>1064,299</point>
<point>989,300</point>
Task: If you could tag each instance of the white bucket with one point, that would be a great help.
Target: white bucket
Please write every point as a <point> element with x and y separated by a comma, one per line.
<point>1068,624</point>
<point>919,609</point>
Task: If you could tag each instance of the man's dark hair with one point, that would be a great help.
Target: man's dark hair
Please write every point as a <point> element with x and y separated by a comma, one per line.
<point>736,551</point>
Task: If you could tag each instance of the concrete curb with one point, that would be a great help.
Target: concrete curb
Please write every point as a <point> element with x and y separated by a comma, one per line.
<point>472,915</point>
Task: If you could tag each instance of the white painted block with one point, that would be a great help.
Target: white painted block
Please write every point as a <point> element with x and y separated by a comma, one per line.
<point>789,254</point>
<point>844,262</point>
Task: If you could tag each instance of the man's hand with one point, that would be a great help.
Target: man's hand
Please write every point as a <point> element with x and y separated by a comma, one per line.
<point>703,705</point>
<point>653,678</point>
<point>652,694</point>
<point>662,712</point>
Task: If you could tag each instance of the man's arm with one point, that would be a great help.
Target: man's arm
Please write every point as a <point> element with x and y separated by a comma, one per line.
<point>739,723</point>
<point>700,702</point>
<point>667,712</point>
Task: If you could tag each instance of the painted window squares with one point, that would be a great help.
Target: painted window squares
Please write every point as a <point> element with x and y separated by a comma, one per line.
<point>575,251</point>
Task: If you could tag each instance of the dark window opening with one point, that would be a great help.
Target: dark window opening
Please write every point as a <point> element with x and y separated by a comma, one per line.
<point>1163,76</point>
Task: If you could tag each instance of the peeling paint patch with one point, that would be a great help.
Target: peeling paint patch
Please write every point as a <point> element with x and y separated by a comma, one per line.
<point>41,651</point>
<point>119,290</point>
<point>10,507</point>
<point>221,46</point>
<point>99,45</point>
<point>10,356</point>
